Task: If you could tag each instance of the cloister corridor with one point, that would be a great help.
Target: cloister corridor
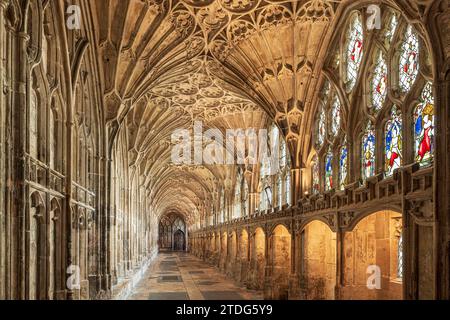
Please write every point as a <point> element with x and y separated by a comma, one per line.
<point>181,276</point>
<point>224,150</point>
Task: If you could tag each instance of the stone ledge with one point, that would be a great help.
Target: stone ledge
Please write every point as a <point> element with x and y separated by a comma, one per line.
<point>123,289</point>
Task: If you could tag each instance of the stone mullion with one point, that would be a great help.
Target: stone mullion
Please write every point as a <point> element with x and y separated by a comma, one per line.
<point>253,203</point>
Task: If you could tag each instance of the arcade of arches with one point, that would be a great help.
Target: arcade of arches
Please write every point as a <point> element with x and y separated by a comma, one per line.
<point>355,98</point>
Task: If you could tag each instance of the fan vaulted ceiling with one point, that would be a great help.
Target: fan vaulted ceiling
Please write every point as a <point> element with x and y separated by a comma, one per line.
<point>228,63</point>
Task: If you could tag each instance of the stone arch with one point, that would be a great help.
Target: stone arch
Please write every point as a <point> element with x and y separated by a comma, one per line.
<point>223,250</point>
<point>243,245</point>
<point>232,252</point>
<point>374,248</point>
<point>363,214</point>
<point>242,262</point>
<point>318,261</point>
<point>258,259</point>
<point>280,259</point>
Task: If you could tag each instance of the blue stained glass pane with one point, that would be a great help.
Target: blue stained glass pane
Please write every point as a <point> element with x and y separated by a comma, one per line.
<point>393,142</point>
<point>329,171</point>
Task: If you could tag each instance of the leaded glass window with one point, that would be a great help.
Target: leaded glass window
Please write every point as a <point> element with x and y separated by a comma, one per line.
<point>393,142</point>
<point>329,171</point>
<point>379,83</point>
<point>368,152</point>
<point>354,50</point>
<point>343,167</point>
<point>288,188</point>
<point>409,60</point>
<point>335,116</point>
<point>315,176</point>
<point>424,126</point>
<point>321,127</point>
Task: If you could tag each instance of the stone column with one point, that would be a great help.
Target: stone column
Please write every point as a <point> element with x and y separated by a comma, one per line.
<point>268,288</point>
<point>339,262</point>
<point>3,154</point>
<point>294,281</point>
<point>17,193</point>
<point>253,203</point>
<point>296,188</point>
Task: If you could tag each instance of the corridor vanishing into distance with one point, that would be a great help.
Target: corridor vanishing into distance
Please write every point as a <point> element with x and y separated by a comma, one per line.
<point>180,276</point>
<point>225,149</point>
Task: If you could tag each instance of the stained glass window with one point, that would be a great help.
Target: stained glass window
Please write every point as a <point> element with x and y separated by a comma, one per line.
<point>280,191</point>
<point>283,154</point>
<point>409,60</point>
<point>335,116</point>
<point>315,176</point>
<point>394,142</point>
<point>329,171</point>
<point>424,126</point>
<point>379,83</point>
<point>237,199</point>
<point>368,153</point>
<point>288,188</point>
<point>343,167</point>
<point>246,199</point>
<point>321,127</point>
<point>354,50</point>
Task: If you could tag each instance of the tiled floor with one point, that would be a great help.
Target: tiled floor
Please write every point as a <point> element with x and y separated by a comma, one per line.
<point>179,276</point>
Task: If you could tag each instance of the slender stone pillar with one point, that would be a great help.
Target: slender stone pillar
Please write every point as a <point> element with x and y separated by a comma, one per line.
<point>296,178</point>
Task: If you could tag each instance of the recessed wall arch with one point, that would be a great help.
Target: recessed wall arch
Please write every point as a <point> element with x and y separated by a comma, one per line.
<point>362,214</point>
<point>318,265</point>
<point>373,258</point>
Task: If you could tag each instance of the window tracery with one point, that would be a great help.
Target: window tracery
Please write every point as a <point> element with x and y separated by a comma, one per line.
<point>381,145</point>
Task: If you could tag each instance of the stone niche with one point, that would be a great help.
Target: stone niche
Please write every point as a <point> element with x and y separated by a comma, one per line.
<point>318,269</point>
<point>374,244</point>
<point>281,268</point>
<point>258,260</point>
